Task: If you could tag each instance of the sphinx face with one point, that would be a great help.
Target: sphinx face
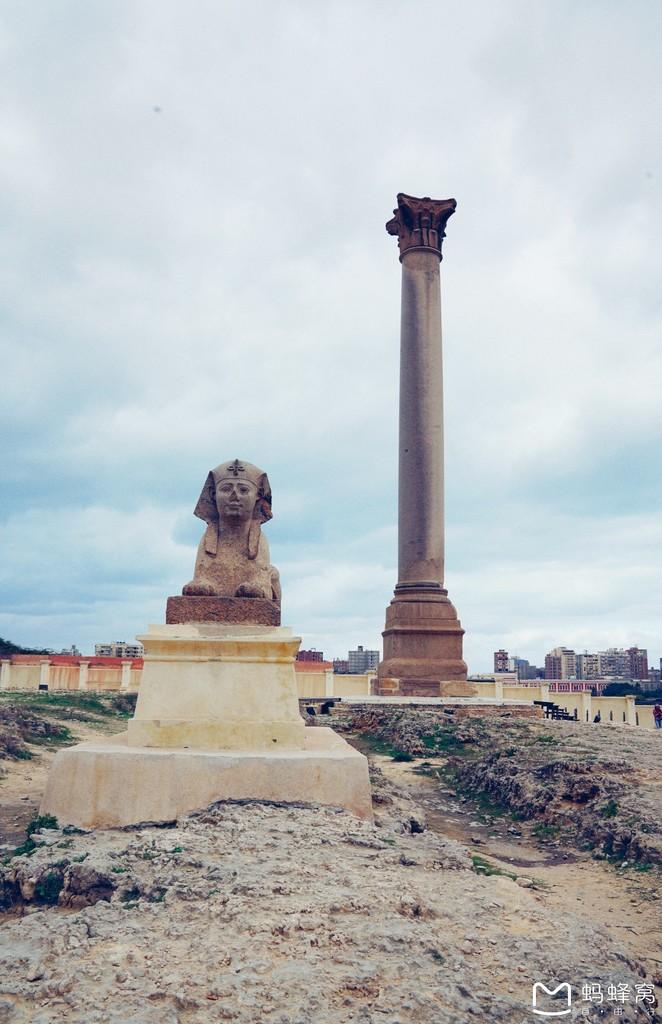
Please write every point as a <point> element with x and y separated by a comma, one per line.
<point>235,499</point>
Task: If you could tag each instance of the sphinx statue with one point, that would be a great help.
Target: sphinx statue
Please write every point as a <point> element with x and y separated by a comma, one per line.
<point>233,554</point>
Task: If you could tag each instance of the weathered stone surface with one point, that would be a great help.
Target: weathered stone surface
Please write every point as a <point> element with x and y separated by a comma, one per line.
<point>294,914</point>
<point>592,784</point>
<point>233,554</point>
<point>257,610</point>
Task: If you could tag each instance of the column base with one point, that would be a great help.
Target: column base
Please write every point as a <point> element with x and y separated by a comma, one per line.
<point>423,646</point>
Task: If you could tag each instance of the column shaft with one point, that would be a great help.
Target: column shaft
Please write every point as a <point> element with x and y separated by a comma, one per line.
<point>421,466</point>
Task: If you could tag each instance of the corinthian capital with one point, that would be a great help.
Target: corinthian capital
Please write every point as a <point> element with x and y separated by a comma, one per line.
<point>420,223</point>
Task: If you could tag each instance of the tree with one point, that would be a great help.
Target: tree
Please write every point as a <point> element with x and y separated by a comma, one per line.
<point>7,648</point>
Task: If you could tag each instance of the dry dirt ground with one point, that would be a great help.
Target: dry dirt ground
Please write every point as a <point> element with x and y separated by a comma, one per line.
<point>251,912</point>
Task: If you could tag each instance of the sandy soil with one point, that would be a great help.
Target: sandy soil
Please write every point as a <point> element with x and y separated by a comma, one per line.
<point>21,789</point>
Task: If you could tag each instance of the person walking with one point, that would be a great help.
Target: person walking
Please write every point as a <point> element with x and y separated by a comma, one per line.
<point>657,716</point>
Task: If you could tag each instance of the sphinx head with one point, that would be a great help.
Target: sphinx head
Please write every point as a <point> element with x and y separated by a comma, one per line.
<point>234,492</point>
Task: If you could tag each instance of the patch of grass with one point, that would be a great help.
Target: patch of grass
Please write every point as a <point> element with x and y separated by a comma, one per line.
<point>48,887</point>
<point>485,867</point>
<point>551,740</point>
<point>610,809</point>
<point>177,849</point>
<point>487,805</point>
<point>24,850</point>
<point>64,738</point>
<point>377,746</point>
<point>80,859</point>
<point>41,821</point>
<point>118,871</point>
<point>438,957</point>
<point>402,755</point>
<point>542,830</point>
<point>444,741</point>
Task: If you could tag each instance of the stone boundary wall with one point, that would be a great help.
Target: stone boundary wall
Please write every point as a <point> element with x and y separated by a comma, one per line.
<point>98,674</point>
<point>449,709</point>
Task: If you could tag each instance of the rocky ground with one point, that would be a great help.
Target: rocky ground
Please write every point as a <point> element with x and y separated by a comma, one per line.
<point>595,787</point>
<point>251,912</point>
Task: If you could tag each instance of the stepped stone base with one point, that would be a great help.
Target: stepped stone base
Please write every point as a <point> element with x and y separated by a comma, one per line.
<point>423,647</point>
<point>217,718</point>
<point>414,687</point>
<point>110,783</point>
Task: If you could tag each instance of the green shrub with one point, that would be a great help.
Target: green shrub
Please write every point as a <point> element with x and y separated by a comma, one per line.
<point>41,821</point>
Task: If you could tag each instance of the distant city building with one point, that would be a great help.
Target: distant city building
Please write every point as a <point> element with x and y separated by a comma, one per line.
<point>588,666</point>
<point>501,660</point>
<point>119,649</point>
<point>341,666</point>
<point>73,650</point>
<point>638,658</point>
<point>311,655</point>
<point>614,663</point>
<point>561,663</point>
<point>362,661</point>
<point>525,670</point>
<point>654,679</point>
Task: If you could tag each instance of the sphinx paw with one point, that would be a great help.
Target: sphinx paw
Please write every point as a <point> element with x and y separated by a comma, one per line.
<point>246,590</point>
<point>194,589</point>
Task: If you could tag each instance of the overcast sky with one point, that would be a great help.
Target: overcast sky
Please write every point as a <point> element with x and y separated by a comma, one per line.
<point>194,267</point>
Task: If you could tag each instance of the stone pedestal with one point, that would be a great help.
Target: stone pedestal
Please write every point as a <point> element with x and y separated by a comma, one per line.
<point>242,610</point>
<point>423,647</point>
<point>218,686</point>
<point>109,783</point>
<point>217,718</point>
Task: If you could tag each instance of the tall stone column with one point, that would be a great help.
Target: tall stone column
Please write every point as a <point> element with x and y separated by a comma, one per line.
<point>423,635</point>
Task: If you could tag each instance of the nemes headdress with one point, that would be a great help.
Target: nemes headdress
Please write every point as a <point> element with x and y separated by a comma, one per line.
<point>207,509</point>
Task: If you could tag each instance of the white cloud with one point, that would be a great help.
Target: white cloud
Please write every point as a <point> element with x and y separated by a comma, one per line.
<point>214,279</point>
